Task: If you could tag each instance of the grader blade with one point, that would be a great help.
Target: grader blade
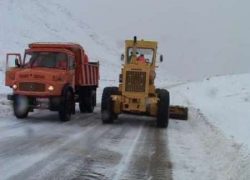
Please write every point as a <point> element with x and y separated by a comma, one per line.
<point>178,112</point>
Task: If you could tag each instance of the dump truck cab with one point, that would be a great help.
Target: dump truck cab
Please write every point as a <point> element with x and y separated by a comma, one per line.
<point>52,76</point>
<point>42,72</point>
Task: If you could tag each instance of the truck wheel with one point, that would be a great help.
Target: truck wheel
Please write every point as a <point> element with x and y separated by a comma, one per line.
<point>163,108</point>
<point>107,112</point>
<point>89,102</point>
<point>66,108</point>
<point>21,106</point>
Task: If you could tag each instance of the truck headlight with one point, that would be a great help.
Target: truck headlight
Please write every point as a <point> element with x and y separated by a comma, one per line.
<point>14,86</point>
<point>51,88</point>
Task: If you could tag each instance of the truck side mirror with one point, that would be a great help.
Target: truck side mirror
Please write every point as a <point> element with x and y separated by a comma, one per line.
<point>161,58</point>
<point>122,57</point>
<point>17,63</point>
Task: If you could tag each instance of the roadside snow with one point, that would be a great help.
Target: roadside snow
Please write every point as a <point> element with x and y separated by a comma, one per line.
<point>214,143</point>
<point>5,105</point>
<point>199,150</point>
<point>225,101</point>
<point>3,88</point>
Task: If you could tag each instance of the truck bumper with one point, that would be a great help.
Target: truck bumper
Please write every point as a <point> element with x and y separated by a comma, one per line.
<point>51,103</point>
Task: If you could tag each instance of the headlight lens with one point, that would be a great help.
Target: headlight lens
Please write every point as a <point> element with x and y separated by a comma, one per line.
<point>14,86</point>
<point>51,88</point>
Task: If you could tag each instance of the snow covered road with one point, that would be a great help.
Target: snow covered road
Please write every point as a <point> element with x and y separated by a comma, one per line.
<point>41,147</point>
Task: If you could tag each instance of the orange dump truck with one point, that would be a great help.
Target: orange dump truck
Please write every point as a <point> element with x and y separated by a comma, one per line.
<point>52,76</point>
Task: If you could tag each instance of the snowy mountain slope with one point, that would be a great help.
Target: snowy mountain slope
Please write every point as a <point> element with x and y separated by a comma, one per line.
<point>31,21</point>
<point>198,39</point>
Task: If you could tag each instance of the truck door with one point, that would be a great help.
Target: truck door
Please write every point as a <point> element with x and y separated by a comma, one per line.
<point>13,64</point>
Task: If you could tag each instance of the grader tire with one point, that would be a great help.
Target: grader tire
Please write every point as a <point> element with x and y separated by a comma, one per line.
<point>107,112</point>
<point>163,108</point>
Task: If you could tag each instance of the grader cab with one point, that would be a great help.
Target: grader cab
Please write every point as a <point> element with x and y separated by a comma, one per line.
<point>137,93</point>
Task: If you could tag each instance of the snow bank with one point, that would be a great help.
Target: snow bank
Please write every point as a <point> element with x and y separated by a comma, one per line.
<point>225,101</point>
<point>199,150</point>
<point>214,143</point>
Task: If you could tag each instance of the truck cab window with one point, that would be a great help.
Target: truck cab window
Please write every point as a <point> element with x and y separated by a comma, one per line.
<point>56,60</point>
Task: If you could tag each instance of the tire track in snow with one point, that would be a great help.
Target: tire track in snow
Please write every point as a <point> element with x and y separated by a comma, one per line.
<point>8,169</point>
<point>150,158</point>
<point>86,149</point>
<point>122,166</point>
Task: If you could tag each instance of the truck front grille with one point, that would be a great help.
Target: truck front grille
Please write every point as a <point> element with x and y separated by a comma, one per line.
<point>31,86</point>
<point>135,81</point>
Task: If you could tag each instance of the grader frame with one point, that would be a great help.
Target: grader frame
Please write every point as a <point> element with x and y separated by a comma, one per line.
<point>137,93</point>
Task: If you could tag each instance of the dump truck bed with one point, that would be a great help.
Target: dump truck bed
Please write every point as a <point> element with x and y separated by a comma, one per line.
<point>87,73</point>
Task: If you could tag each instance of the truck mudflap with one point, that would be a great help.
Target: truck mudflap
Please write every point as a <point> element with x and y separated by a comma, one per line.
<point>178,112</point>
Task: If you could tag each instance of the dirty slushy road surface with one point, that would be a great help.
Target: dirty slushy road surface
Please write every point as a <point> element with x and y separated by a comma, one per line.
<point>42,147</point>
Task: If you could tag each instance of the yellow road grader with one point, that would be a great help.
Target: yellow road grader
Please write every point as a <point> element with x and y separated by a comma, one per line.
<point>137,93</point>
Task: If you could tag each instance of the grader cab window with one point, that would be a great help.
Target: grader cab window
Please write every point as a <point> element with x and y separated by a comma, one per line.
<point>46,59</point>
<point>142,55</point>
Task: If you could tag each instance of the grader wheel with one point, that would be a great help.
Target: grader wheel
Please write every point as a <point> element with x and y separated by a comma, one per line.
<point>163,104</point>
<point>107,112</point>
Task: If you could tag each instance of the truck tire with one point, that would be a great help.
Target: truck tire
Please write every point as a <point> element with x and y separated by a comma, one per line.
<point>163,108</point>
<point>90,101</point>
<point>20,106</point>
<point>66,107</point>
<point>107,112</point>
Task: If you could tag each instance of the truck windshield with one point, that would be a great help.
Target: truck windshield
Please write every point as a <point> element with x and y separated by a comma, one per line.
<point>46,59</point>
<point>142,54</point>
